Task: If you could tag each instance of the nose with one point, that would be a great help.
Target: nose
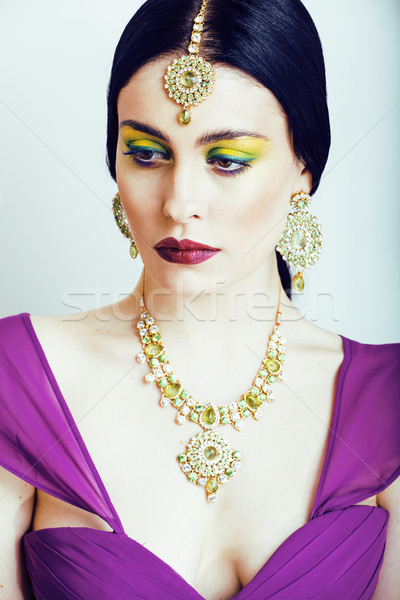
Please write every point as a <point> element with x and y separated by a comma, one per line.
<point>183,199</point>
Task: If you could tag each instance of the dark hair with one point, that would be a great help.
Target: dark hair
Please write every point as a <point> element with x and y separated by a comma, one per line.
<point>273,41</point>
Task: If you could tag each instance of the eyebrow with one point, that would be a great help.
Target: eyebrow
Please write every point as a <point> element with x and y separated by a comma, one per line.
<point>207,138</point>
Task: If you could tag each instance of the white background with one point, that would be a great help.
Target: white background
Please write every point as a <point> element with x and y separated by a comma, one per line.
<point>60,250</point>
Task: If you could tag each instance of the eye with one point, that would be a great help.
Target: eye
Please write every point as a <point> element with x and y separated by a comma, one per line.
<point>145,157</point>
<point>228,166</point>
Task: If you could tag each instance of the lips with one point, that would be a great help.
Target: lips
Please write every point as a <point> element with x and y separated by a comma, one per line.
<point>185,244</point>
<point>185,252</point>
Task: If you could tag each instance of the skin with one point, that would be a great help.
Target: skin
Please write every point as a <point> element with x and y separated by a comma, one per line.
<point>186,193</point>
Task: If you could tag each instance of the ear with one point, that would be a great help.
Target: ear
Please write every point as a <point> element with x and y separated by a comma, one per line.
<point>305,179</point>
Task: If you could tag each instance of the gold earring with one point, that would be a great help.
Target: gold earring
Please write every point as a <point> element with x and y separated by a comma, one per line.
<point>300,243</point>
<point>122,223</point>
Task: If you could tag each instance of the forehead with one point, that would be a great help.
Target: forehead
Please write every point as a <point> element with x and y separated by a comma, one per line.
<point>237,102</point>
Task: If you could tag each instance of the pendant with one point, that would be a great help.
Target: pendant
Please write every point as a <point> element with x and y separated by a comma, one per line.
<point>209,461</point>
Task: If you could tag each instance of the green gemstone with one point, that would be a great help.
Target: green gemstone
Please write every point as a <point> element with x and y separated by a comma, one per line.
<point>182,458</point>
<point>194,416</point>
<point>172,378</point>
<point>242,403</point>
<point>262,397</point>
<point>301,203</point>
<point>212,486</point>
<point>198,407</point>
<point>252,402</point>
<point>237,455</point>
<point>156,337</point>
<point>298,282</point>
<point>229,472</point>
<point>177,402</point>
<point>210,452</point>
<point>162,358</point>
<point>185,117</point>
<point>281,357</point>
<point>263,373</point>
<point>188,79</point>
<point>273,366</point>
<point>245,413</point>
<point>153,350</point>
<point>145,339</point>
<point>255,391</point>
<point>162,382</point>
<point>184,394</point>
<point>192,476</point>
<point>209,416</point>
<point>223,410</point>
<point>271,379</point>
<point>172,390</point>
<point>225,420</point>
<point>153,362</point>
<point>133,251</point>
<point>271,354</point>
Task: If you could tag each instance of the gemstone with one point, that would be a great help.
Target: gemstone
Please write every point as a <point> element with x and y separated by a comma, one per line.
<point>172,390</point>
<point>188,79</point>
<point>242,403</point>
<point>225,420</point>
<point>192,476</point>
<point>262,397</point>
<point>255,391</point>
<point>164,402</point>
<point>141,358</point>
<point>271,379</point>
<point>177,402</point>
<point>182,458</point>
<point>162,382</point>
<point>193,416</point>
<point>198,407</point>
<point>252,402</point>
<point>202,481</point>
<point>271,354</point>
<point>184,394</point>
<point>145,339</point>
<point>150,377</point>
<point>153,329</point>
<point>185,410</point>
<point>185,117</point>
<point>273,366</point>
<point>154,350</point>
<point>258,415</point>
<point>239,425</point>
<point>223,410</point>
<point>298,282</point>
<point>246,413</point>
<point>199,19</point>
<point>172,378</point>
<point>212,497</point>
<point>153,362</point>
<point>186,468</point>
<point>133,251</point>
<point>193,48</point>
<point>222,478</point>
<point>236,465</point>
<point>230,472</point>
<point>143,331</point>
<point>212,486</point>
<point>263,372</point>
<point>210,453</point>
<point>209,416</point>
<point>237,455</point>
<point>196,37</point>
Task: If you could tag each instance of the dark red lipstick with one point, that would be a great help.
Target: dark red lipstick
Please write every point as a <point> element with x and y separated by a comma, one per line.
<point>185,251</point>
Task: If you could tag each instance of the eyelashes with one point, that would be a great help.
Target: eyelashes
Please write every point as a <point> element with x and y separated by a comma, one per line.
<point>149,158</point>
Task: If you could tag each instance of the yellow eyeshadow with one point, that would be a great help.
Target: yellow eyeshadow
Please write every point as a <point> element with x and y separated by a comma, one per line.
<point>246,146</point>
<point>131,137</point>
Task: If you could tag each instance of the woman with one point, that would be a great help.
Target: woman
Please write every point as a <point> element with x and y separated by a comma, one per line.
<point>280,507</point>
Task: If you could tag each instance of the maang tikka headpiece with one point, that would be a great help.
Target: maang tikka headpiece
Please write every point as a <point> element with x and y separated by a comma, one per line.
<point>190,79</point>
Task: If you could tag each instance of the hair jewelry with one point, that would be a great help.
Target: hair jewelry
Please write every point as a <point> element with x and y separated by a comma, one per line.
<point>300,243</point>
<point>190,79</point>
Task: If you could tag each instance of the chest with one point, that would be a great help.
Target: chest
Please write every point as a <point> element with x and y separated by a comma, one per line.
<point>134,442</point>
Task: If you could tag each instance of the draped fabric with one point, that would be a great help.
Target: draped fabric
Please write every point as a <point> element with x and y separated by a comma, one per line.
<point>336,554</point>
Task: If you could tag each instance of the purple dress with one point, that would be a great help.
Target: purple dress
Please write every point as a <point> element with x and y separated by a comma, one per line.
<point>336,554</point>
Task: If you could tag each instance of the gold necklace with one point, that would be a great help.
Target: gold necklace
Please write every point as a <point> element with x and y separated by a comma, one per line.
<point>209,460</point>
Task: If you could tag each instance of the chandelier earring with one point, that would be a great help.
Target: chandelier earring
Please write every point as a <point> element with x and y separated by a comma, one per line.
<point>122,223</point>
<point>300,243</point>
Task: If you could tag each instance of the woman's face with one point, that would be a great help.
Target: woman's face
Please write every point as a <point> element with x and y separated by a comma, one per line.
<point>224,180</point>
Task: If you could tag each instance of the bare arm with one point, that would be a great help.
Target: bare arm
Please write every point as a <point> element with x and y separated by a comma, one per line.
<point>16,507</point>
<point>388,587</point>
